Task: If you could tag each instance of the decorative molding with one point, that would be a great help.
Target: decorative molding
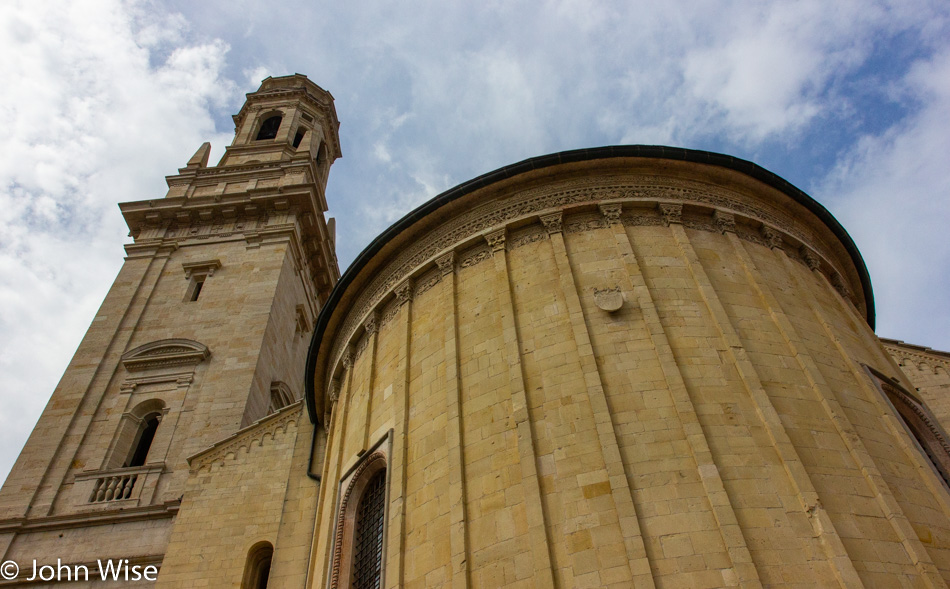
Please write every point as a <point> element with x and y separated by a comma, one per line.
<point>725,221</point>
<point>810,257</point>
<point>584,222</point>
<point>496,240</point>
<point>611,212</point>
<point>389,312</point>
<point>181,380</point>
<point>773,237</point>
<point>404,292</point>
<point>428,280</point>
<point>533,233</point>
<point>371,324</point>
<point>651,219</point>
<point>303,320</point>
<point>493,214</point>
<point>474,256</point>
<point>840,286</point>
<point>608,299</point>
<point>671,213</point>
<point>351,488</point>
<point>164,353</point>
<point>348,357</point>
<point>446,263</point>
<point>204,267</point>
<point>247,438</point>
<point>552,222</point>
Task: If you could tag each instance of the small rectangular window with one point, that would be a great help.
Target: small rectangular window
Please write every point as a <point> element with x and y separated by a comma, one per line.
<point>194,288</point>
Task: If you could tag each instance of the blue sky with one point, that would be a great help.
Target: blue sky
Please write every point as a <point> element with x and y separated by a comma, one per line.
<point>849,101</point>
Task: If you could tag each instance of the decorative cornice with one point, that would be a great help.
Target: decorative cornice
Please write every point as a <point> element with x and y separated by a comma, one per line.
<point>247,438</point>
<point>205,267</point>
<point>575,193</point>
<point>91,518</point>
<point>164,353</point>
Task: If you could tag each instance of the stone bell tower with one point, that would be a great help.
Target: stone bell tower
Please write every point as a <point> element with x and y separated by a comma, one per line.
<point>204,332</point>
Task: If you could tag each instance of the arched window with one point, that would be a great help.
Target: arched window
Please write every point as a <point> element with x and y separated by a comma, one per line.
<point>269,128</point>
<point>143,441</point>
<point>360,533</point>
<point>920,422</point>
<point>257,568</point>
<point>136,434</point>
<point>280,396</point>
<point>368,534</point>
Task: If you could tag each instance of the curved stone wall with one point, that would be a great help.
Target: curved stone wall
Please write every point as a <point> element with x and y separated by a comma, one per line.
<point>617,371</point>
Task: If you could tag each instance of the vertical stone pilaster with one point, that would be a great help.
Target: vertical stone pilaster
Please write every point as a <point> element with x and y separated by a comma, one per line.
<point>534,506</point>
<point>743,569</point>
<point>396,557</point>
<point>794,469</point>
<point>51,482</point>
<point>458,534</point>
<point>371,329</point>
<point>838,417</point>
<point>606,433</point>
<point>330,486</point>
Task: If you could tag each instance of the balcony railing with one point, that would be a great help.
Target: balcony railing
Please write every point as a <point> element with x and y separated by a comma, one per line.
<point>113,488</point>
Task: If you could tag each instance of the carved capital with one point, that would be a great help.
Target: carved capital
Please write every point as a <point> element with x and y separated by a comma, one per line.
<point>496,240</point>
<point>552,222</point>
<point>773,237</point>
<point>371,323</point>
<point>348,358</point>
<point>725,222</point>
<point>672,213</point>
<point>811,258</point>
<point>611,213</point>
<point>404,291</point>
<point>838,282</point>
<point>446,263</point>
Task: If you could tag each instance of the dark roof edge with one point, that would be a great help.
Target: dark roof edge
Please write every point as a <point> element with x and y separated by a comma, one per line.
<point>564,157</point>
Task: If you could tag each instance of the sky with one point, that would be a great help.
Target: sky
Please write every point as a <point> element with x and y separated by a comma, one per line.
<point>848,100</point>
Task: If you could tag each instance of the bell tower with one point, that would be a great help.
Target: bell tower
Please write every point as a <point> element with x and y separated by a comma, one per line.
<point>204,332</point>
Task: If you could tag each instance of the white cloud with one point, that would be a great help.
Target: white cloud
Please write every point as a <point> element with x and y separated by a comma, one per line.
<point>97,112</point>
<point>105,97</point>
<point>892,193</point>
